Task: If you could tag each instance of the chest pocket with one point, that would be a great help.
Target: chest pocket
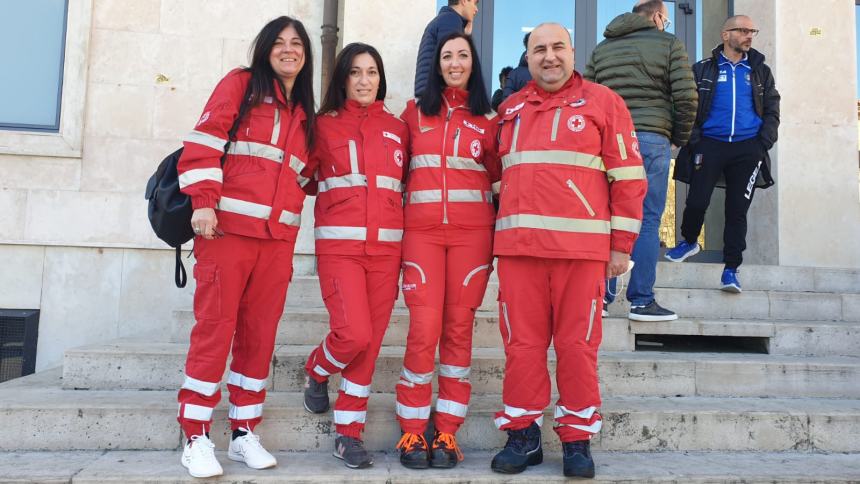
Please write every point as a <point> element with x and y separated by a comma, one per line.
<point>509,133</point>
<point>342,159</point>
<point>264,125</point>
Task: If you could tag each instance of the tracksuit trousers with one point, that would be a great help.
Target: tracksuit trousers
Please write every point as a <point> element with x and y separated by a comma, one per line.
<point>359,293</point>
<point>241,289</point>
<point>740,162</point>
<point>551,300</point>
<point>445,274</point>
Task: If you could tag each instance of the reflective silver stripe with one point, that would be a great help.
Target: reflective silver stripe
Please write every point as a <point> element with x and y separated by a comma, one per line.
<point>621,148</point>
<point>390,235</point>
<point>516,134</point>
<point>321,371</point>
<point>386,134</point>
<point>626,173</point>
<point>451,371</point>
<point>331,359</point>
<point>624,223</point>
<point>457,143</point>
<point>469,196</point>
<point>246,383</point>
<point>353,157</point>
<point>206,139</point>
<point>276,129</point>
<point>501,421</point>
<point>516,412</point>
<point>191,177</point>
<point>354,389</point>
<point>242,207</point>
<point>403,411</point>
<point>473,272</point>
<point>586,413</point>
<point>290,218</point>
<point>260,150</point>
<point>507,320</point>
<point>420,270</point>
<point>544,222</point>
<point>592,429</point>
<point>555,119</point>
<point>581,197</point>
<point>197,412</point>
<point>424,161</point>
<point>554,157</point>
<point>389,183</point>
<point>425,196</point>
<point>497,187</point>
<point>200,386</point>
<point>298,165</point>
<point>346,417</point>
<point>245,413</point>
<point>459,163</point>
<point>340,233</point>
<point>591,320</point>
<point>417,378</point>
<point>346,181</point>
<point>451,408</point>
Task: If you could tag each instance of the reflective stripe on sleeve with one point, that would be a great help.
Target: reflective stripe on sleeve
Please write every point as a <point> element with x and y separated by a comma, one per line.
<point>555,157</point>
<point>191,177</point>
<point>290,218</point>
<point>544,222</point>
<point>624,223</point>
<point>260,150</point>
<point>206,139</point>
<point>297,166</point>
<point>390,235</point>
<point>251,209</point>
<point>497,187</point>
<point>626,173</point>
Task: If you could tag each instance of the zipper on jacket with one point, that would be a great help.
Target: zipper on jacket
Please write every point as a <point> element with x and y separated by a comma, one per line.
<point>444,162</point>
<point>734,103</point>
<point>516,134</point>
<point>579,194</point>
<point>591,319</point>
<point>507,321</point>
<point>555,120</point>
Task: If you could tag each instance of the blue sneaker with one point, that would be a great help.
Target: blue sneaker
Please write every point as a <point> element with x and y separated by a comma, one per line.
<point>730,282</point>
<point>683,250</point>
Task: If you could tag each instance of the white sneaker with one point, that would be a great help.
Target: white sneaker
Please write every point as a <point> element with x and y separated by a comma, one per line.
<point>248,449</point>
<point>198,457</point>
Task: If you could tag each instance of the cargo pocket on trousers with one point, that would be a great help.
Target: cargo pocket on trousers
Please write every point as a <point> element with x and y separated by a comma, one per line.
<point>333,302</point>
<point>414,284</point>
<point>474,286</point>
<point>207,296</point>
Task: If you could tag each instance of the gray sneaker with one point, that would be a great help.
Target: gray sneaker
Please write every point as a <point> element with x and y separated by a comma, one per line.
<point>352,452</point>
<point>316,395</point>
<point>651,312</point>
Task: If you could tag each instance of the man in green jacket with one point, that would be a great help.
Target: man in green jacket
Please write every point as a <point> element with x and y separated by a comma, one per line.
<point>648,67</point>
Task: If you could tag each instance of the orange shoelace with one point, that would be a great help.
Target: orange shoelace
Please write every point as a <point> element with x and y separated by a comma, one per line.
<point>410,440</point>
<point>449,441</point>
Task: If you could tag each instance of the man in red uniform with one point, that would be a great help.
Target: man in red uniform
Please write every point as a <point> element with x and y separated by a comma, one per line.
<point>570,209</point>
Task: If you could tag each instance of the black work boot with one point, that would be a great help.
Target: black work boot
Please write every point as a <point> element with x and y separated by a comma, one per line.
<point>445,453</point>
<point>413,451</point>
<point>523,449</point>
<point>316,395</point>
<point>577,459</point>
<point>352,452</point>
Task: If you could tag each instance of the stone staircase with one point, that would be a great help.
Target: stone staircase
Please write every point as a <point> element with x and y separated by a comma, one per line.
<point>763,386</point>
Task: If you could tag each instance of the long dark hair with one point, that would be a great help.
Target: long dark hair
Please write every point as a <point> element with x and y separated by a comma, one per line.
<point>430,101</point>
<point>335,95</point>
<point>263,77</point>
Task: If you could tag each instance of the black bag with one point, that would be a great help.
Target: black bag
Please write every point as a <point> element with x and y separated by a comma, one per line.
<point>169,209</point>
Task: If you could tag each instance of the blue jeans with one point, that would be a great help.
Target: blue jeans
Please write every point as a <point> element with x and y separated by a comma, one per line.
<point>656,154</point>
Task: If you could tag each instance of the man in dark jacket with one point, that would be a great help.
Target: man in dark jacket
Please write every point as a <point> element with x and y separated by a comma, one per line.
<point>520,76</point>
<point>648,67</point>
<point>736,125</point>
<point>497,95</point>
<point>456,17</point>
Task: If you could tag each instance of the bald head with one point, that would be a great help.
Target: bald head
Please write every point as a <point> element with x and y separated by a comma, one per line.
<point>550,56</point>
<point>733,22</point>
<point>737,35</point>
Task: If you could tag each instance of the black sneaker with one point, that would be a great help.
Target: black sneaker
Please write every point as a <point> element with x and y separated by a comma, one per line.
<point>445,452</point>
<point>316,395</point>
<point>577,459</point>
<point>413,451</point>
<point>651,312</point>
<point>522,449</point>
<point>352,452</point>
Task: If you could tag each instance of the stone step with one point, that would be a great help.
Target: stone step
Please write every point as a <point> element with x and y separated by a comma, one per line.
<point>162,467</point>
<point>135,365</point>
<point>690,303</point>
<point>37,414</point>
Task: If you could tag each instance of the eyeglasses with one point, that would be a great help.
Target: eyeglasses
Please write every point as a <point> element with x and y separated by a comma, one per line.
<point>743,31</point>
<point>666,21</point>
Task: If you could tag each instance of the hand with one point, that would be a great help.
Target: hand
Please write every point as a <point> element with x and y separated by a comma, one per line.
<point>205,223</point>
<point>617,264</point>
<point>468,28</point>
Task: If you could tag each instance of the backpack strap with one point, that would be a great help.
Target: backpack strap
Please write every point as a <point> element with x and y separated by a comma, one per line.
<point>180,277</point>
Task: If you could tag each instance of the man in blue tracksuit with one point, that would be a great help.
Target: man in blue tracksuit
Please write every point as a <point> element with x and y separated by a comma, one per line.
<point>457,16</point>
<point>736,125</point>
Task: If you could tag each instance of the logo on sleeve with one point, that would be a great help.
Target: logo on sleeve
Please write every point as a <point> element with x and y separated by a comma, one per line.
<point>576,123</point>
<point>203,118</point>
<point>398,158</point>
<point>475,148</point>
<point>635,147</point>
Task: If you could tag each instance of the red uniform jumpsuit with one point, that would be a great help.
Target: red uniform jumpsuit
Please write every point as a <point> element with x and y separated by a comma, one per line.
<point>242,277</point>
<point>360,157</point>
<point>572,189</point>
<point>447,256</point>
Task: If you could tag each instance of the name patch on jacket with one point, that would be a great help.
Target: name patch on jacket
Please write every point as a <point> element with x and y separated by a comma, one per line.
<point>472,126</point>
<point>515,108</point>
<point>386,134</point>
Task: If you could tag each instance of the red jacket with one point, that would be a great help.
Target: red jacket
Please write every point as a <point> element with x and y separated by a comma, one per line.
<point>453,161</point>
<point>360,157</point>
<point>259,192</point>
<point>573,181</point>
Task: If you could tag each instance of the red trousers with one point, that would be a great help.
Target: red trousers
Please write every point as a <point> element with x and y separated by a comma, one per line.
<point>445,273</point>
<point>241,289</point>
<point>558,300</point>
<point>359,293</point>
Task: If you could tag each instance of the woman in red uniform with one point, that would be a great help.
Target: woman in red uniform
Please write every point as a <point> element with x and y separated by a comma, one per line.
<point>447,248</point>
<point>359,225</point>
<point>246,217</point>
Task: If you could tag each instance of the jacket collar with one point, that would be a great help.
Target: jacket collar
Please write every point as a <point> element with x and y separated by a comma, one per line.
<point>754,57</point>
<point>571,91</point>
<point>447,9</point>
<point>356,109</point>
<point>455,97</point>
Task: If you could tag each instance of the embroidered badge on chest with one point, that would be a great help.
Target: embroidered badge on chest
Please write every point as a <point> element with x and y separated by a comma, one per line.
<point>475,148</point>
<point>578,103</point>
<point>576,123</point>
<point>398,158</point>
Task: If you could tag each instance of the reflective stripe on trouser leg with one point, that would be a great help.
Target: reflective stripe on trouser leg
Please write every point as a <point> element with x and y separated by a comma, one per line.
<point>455,355</point>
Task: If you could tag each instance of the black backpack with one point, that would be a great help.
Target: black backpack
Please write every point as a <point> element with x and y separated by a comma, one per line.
<point>169,209</point>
